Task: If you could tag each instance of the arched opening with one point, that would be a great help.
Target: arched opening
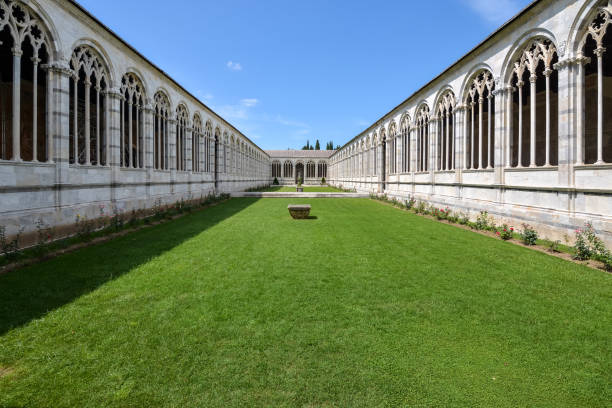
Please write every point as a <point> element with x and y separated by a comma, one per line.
<point>446,132</point>
<point>310,170</point>
<point>276,169</point>
<point>182,122</point>
<point>299,172</point>
<point>480,122</point>
<point>160,143</point>
<point>535,106</point>
<point>24,83</point>
<point>132,122</point>
<point>405,135</point>
<point>422,129</point>
<point>196,144</point>
<point>595,137</point>
<point>288,169</point>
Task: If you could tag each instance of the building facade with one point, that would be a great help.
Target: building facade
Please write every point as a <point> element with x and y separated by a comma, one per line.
<point>520,127</point>
<point>289,166</point>
<point>88,123</point>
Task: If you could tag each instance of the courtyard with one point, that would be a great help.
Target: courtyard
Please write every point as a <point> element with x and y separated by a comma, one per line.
<point>363,305</point>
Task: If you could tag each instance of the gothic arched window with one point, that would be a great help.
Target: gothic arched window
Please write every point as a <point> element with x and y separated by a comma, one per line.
<point>24,95</point>
<point>594,144</point>
<point>132,122</point>
<point>88,141</point>
<point>535,106</point>
<point>160,142</point>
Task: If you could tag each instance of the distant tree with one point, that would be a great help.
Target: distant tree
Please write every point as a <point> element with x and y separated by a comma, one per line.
<point>330,146</point>
<point>338,147</point>
<point>317,145</point>
<point>307,147</point>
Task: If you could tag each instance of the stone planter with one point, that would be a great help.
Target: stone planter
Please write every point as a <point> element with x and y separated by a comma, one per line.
<point>299,189</point>
<point>299,212</point>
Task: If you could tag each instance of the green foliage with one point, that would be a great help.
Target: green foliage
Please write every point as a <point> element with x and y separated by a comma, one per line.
<point>554,246</point>
<point>589,246</point>
<point>529,236</point>
<point>275,182</point>
<point>506,233</point>
<point>9,248</point>
<point>482,221</point>
<point>463,218</point>
<point>322,180</point>
<point>44,235</point>
<point>84,227</point>
<point>410,203</point>
<point>317,145</point>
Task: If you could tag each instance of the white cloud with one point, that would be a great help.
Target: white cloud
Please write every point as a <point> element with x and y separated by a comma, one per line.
<point>494,11</point>
<point>249,102</point>
<point>204,96</point>
<point>234,66</point>
<point>363,123</point>
<point>232,112</point>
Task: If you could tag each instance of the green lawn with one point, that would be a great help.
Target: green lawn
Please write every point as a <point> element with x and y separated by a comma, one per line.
<point>362,306</point>
<point>307,189</point>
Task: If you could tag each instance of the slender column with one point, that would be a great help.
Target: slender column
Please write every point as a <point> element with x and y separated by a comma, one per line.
<point>159,141</point>
<point>76,122</point>
<point>580,115</point>
<point>489,126</point>
<point>137,160</point>
<point>87,123</point>
<point>130,135</point>
<point>447,167</point>
<point>520,124</point>
<point>17,53</point>
<point>547,73</point>
<point>98,161</point>
<point>122,131</point>
<point>452,164</point>
<point>480,147</point>
<point>107,132</point>
<point>532,141</point>
<point>472,138</point>
<point>35,111</point>
<point>49,112</point>
<point>599,52</point>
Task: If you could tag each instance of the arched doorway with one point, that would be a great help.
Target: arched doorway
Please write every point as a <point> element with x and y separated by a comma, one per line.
<point>299,172</point>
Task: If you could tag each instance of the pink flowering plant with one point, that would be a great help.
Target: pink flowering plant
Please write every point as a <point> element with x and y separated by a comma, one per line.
<point>505,232</point>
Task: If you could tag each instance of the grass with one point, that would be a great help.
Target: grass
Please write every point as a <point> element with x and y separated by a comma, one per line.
<point>307,189</point>
<point>240,305</point>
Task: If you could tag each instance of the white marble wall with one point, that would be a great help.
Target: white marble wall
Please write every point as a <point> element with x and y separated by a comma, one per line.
<point>556,199</point>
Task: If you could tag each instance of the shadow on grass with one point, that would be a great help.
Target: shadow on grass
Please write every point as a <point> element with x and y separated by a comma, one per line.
<point>31,292</point>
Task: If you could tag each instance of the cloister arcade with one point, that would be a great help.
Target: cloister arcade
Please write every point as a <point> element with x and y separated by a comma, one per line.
<point>87,122</point>
<point>520,127</point>
<point>288,166</point>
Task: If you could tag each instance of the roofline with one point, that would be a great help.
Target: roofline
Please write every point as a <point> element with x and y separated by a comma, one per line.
<point>161,71</point>
<point>465,56</point>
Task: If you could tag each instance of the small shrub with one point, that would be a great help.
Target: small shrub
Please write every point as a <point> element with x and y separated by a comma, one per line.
<point>463,218</point>
<point>116,221</point>
<point>410,203</point>
<point>482,221</point>
<point>84,227</point>
<point>529,236</point>
<point>452,217</point>
<point>322,180</point>
<point>275,182</point>
<point>589,246</point>
<point>506,232</point>
<point>9,248</point>
<point>553,246</point>
<point>420,208</point>
<point>44,235</point>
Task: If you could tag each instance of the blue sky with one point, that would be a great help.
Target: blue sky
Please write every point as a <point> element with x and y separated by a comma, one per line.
<point>286,71</point>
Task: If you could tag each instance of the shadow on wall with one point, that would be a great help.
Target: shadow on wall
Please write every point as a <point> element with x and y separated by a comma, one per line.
<point>32,292</point>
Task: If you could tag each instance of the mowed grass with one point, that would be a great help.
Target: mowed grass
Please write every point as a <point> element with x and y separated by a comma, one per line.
<point>364,306</point>
<point>307,189</point>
